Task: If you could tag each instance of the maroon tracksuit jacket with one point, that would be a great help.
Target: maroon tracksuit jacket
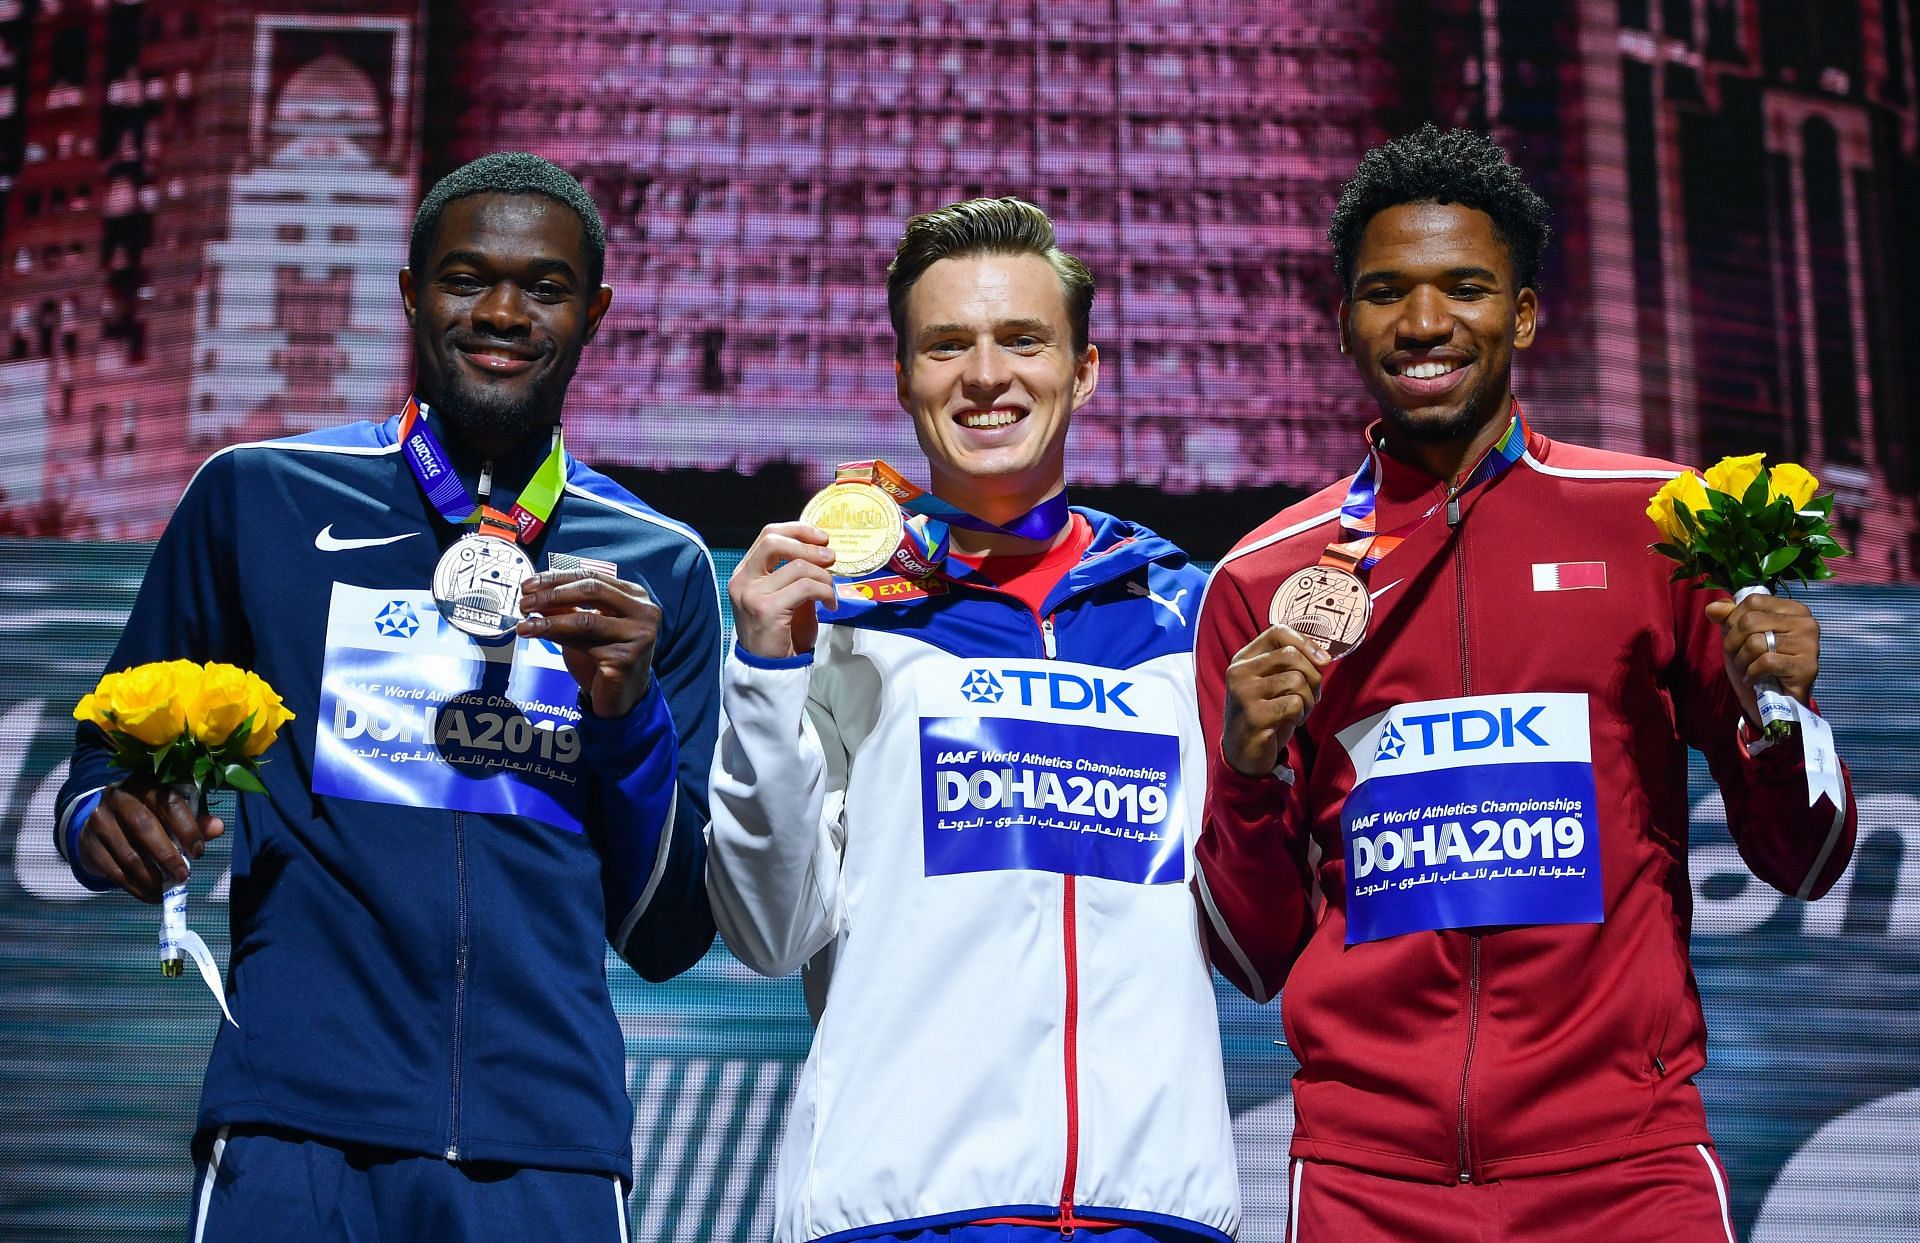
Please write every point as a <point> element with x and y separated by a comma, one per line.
<point>1468,1054</point>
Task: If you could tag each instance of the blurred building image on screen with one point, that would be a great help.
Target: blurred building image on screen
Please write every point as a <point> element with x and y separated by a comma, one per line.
<point>142,147</point>
<point>757,164</point>
<point>296,318</point>
<point>201,206</point>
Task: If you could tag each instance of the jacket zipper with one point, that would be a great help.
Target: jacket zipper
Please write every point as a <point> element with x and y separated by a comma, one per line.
<point>459,980</point>
<point>1069,939</point>
<point>1473,938</point>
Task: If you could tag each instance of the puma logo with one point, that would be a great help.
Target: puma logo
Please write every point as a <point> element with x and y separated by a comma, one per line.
<point>1171,606</point>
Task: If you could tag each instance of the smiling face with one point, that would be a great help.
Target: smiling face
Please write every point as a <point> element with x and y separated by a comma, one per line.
<point>991,379</point>
<point>1432,322</point>
<point>500,313</point>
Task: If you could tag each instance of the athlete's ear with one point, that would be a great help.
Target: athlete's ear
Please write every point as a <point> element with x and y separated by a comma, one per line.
<point>406,292</point>
<point>597,311</point>
<point>1526,317</point>
<point>1341,317</point>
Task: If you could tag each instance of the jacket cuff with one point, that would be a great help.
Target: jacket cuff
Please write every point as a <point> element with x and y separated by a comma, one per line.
<point>66,840</point>
<point>607,741</point>
<point>798,661</point>
<point>1246,798</point>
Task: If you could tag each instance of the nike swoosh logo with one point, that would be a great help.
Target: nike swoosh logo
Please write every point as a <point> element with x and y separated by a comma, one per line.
<point>327,541</point>
<point>1375,595</point>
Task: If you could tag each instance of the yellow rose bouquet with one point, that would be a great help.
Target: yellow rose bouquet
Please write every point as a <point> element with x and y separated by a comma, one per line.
<point>178,723</point>
<point>197,728</point>
<point>1746,529</point>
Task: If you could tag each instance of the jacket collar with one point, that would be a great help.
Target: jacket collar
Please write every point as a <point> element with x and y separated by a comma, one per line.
<point>1402,485</point>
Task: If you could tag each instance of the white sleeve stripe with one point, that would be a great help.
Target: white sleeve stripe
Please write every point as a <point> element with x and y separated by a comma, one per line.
<point>66,817</point>
<point>1568,472</point>
<point>206,1188</point>
<point>294,447</point>
<point>1256,546</point>
<point>1826,851</point>
<point>678,528</point>
<point>620,1211</point>
<point>653,882</point>
<point>1719,1189</point>
<point>1293,1202</point>
<point>1261,994</point>
<point>1306,524</point>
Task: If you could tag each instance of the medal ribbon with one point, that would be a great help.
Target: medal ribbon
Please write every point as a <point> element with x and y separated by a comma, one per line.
<point>450,499</point>
<point>1042,522</point>
<point>1362,549</point>
<point>924,546</point>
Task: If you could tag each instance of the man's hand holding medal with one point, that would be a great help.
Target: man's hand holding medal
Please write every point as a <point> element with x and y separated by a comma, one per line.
<point>605,628</point>
<point>853,527</point>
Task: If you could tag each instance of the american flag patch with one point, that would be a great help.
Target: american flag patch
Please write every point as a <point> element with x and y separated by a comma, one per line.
<point>1569,575</point>
<point>567,561</point>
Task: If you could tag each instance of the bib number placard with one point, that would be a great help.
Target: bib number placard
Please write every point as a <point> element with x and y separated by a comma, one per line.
<point>1470,813</point>
<point>1050,766</point>
<point>416,713</point>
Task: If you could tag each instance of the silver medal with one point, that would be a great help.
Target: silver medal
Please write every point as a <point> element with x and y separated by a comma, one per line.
<point>477,584</point>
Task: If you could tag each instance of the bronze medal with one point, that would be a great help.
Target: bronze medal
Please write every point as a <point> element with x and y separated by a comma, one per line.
<point>1326,604</point>
<point>862,524</point>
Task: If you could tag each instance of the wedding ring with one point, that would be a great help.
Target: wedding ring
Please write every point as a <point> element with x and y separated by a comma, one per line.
<point>1769,640</point>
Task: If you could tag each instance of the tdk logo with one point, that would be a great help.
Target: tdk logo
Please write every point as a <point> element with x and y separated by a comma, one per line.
<point>397,619</point>
<point>1391,744</point>
<point>1063,692</point>
<point>981,687</point>
<point>1471,729</point>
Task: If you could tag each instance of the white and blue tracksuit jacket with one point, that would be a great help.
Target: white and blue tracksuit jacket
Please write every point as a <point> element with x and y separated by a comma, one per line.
<point>415,977</point>
<point>973,824</point>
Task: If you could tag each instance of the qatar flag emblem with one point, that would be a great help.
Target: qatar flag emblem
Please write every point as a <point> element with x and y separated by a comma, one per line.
<point>1569,575</point>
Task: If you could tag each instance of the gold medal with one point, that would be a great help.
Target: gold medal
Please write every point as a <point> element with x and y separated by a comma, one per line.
<point>862,524</point>
<point>1326,604</point>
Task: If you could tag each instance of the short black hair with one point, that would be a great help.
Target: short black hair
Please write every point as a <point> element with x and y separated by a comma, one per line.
<point>511,172</point>
<point>1003,226</point>
<point>1435,166</point>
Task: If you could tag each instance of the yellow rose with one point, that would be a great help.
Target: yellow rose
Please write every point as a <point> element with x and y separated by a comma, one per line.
<point>269,714</point>
<point>218,704</point>
<point>90,708</point>
<point>1732,474</point>
<point>1683,490</point>
<point>1793,482</point>
<point>146,703</point>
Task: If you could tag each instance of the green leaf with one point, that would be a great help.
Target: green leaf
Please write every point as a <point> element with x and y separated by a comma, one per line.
<point>1778,560</point>
<point>1754,498</point>
<point>1673,552</point>
<point>1687,519</point>
<point>1822,504</point>
<point>240,777</point>
<point>1719,500</point>
<point>202,769</point>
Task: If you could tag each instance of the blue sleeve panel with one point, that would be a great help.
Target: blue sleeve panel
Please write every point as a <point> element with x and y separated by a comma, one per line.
<point>187,609</point>
<point>658,918</point>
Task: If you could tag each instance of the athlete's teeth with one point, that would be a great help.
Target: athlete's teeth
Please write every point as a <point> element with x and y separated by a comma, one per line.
<point>1428,371</point>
